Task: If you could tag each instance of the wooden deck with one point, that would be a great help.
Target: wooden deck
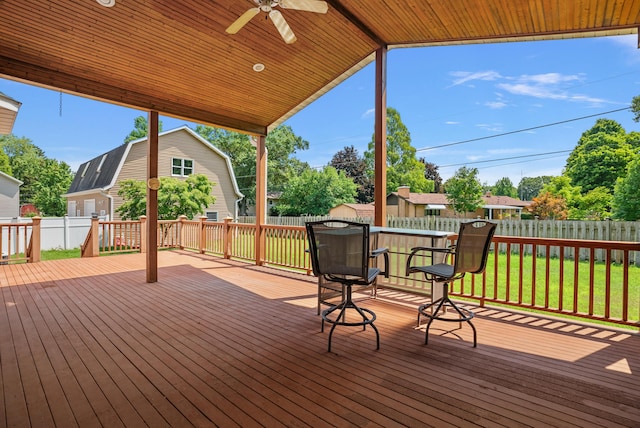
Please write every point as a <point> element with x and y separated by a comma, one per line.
<point>87,342</point>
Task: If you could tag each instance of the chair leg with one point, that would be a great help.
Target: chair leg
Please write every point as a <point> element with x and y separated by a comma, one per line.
<point>341,318</point>
<point>441,304</point>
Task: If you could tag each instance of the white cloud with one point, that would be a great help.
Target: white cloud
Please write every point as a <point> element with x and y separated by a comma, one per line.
<point>549,78</point>
<point>368,113</point>
<point>449,122</point>
<point>496,127</point>
<point>548,86</point>
<point>467,76</point>
<point>495,104</point>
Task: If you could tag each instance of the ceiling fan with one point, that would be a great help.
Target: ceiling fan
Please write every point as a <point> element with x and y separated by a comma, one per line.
<point>268,6</point>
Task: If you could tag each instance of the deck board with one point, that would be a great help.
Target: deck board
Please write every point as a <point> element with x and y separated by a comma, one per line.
<point>89,343</point>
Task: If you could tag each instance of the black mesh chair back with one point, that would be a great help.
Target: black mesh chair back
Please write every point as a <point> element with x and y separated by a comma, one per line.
<point>340,251</point>
<point>472,246</point>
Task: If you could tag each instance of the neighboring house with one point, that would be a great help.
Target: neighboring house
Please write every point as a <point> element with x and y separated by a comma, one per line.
<point>9,195</point>
<point>8,112</point>
<point>273,198</point>
<point>403,203</point>
<point>353,211</point>
<point>181,152</point>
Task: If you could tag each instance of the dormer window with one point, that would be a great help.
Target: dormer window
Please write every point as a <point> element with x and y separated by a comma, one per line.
<point>101,163</point>
<point>86,167</point>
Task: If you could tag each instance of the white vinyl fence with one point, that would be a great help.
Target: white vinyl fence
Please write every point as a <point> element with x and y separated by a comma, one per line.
<point>57,233</point>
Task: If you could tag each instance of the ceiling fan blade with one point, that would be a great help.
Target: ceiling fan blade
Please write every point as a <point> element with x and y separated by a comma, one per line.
<point>308,5</point>
<point>242,20</point>
<point>282,26</point>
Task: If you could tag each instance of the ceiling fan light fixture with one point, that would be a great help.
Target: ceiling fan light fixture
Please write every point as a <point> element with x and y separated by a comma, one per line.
<point>258,67</point>
<point>106,3</point>
<point>267,6</point>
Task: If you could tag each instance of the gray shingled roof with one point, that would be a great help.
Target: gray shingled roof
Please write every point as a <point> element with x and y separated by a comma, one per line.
<point>89,177</point>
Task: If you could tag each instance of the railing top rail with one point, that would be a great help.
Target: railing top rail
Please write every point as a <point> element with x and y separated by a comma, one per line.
<point>281,227</point>
<point>558,242</point>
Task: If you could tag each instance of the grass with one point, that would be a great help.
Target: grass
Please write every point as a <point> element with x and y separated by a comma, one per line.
<point>60,254</point>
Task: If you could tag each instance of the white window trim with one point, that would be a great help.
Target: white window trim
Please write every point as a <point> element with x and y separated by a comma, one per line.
<point>182,174</point>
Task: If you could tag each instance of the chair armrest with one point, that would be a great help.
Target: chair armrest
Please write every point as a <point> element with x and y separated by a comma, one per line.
<point>416,250</point>
<point>384,252</point>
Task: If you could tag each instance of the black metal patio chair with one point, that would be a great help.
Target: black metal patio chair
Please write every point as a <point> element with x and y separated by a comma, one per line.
<point>340,252</point>
<point>468,255</point>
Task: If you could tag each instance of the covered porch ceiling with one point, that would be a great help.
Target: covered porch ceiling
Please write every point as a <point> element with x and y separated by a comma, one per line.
<point>174,56</point>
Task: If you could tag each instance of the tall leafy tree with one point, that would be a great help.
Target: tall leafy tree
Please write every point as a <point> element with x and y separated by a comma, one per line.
<point>431,173</point>
<point>5,165</point>
<point>561,187</point>
<point>44,180</point>
<point>600,157</point>
<point>176,197</point>
<point>355,167</point>
<point>504,187</point>
<point>626,203</point>
<point>595,205</point>
<point>403,168</point>
<point>26,161</point>
<point>243,159</point>
<point>530,187</point>
<point>464,190</point>
<point>140,129</point>
<point>316,192</point>
<point>54,181</point>
<point>281,143</point>
<point>635,108</point>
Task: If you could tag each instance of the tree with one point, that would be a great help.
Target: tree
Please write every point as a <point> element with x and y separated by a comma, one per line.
<point>600,157</point>
<point>5,165</point>
<point>504,187</point>
<point>54,181</point>
<point>561,187</point>
<point>626,203</point>
<point>140,129</point>
<point>529,187</point>
<point>431,173</point>
<point>243,159</point>
<point>281,144</point>
<point>403,168</point>
<point>354,167</point>
<point>595,205</point>
<point>26,162</point>
<point>176,197</point>
<point>316,192</point>
<point>635,108</point>
<point>547,206</point>
<point>44,180</point>
<point>464,190</point>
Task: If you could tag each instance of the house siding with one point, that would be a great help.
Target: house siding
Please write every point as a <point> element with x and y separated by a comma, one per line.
<point>181,144</point>
<point>9,197</point>
<point>102,204</point>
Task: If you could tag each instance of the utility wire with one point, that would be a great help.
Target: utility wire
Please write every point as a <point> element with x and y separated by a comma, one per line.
<point>521,130</point>
<point>509,158</point>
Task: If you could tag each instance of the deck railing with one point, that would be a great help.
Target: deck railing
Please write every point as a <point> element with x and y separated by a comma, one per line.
<point>562,276</point>
<point>20,242</point>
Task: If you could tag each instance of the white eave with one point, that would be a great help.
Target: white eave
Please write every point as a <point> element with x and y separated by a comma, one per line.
<point>8,112</point>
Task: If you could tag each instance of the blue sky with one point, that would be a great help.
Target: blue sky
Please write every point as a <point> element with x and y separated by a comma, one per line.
<point>446,96</point>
